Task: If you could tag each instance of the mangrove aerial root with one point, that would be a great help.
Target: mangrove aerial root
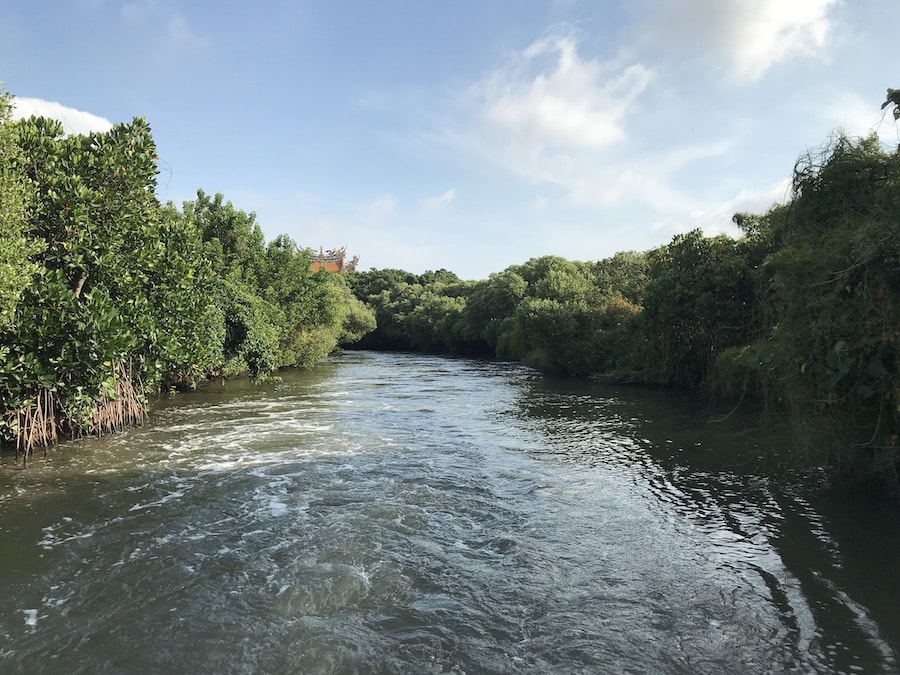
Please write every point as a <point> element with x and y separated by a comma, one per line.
<point>35,424</point>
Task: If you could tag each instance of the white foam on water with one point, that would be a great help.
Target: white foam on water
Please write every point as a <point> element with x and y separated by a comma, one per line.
<point>51,538</point>
<point>228,463</point>
<point>54,602</point>
<point>177,494</point>
<point>31,617</point>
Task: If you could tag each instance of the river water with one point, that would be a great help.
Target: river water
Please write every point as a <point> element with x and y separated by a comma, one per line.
<point>391,513</point>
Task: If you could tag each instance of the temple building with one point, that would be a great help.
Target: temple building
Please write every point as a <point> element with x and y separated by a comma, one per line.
<point>333,260</point>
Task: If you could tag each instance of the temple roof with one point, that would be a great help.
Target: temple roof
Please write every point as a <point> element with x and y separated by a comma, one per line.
<point>333,260</point>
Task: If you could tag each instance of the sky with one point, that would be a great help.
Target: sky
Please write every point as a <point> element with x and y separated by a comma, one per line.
<point>468,135</point>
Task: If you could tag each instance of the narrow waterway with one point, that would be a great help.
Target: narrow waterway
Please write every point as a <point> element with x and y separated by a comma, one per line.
<point>391,513</point>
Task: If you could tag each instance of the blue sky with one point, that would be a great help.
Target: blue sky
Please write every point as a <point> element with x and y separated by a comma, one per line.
<point>466,135</point>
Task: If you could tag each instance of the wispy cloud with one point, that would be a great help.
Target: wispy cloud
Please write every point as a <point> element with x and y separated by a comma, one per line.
<point>748,36</point>
<point>856,116</point>
<point>570,102</point>
<point>715,217</point>
<point>180,34</point>
<point>175,33</point>
<point>436,202</point>
<point>601,136</point>
<point>137,13</point>
<point>379,208</point>
<point>552,117</point>
<point>548,112</point>
<point>74,121</point>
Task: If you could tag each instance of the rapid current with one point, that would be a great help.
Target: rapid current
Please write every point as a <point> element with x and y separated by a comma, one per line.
<point>395,513</point>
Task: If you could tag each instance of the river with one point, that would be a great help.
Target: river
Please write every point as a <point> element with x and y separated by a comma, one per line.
<point>393,513</point>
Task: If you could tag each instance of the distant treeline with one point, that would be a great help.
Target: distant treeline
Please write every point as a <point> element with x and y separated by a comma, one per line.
<point>108,296</point>
<point>802,313</point>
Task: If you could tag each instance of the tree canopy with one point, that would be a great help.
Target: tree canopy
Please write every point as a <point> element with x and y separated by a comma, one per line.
<point>107,296</point>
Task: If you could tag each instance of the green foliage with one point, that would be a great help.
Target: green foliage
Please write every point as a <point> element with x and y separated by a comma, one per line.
<point>277,312</point>
<point>489,305</point>
<point>234,241</point>
<point>16,245</point>
<point>698,301</point>
<point>358,320</point>
<point>105,293</point>
<point>411,311</point>
<point>431,325</point>
<point>574,318</point>
<point>552,327</point>
<point>893,99</point>
<point>119,279</point>
<point>190,326</point>
<point>836,288</point>
<point>624,274</point>
<point>371,283</point>
<point>252,332</point>
<point>557,315</point>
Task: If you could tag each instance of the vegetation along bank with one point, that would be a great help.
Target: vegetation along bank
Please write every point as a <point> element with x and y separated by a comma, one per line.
<point>108,296</point>
<point>123,297</point>
<point>800,315</point>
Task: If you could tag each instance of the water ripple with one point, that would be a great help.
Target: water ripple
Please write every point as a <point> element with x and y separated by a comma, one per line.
<point>397,513</point>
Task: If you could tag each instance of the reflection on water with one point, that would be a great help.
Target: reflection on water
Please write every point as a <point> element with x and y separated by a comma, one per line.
<point>706,473</point>
<point>398,513</point>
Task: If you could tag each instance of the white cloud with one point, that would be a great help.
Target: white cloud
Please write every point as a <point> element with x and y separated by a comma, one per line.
<point>750,36</point>
<point>73,121</point>
<point>717,218</point>
<point>380,207</point>
<point>575,103</point>
<point>176,35</point>
<point>180,34</point>
<point>550,116</point>
<point>435,202</point>
<point>137,13</point>
<point>565,121</point>
<point>855,116</point>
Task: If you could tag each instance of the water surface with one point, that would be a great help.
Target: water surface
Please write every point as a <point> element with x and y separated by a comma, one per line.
<point>391,513</point>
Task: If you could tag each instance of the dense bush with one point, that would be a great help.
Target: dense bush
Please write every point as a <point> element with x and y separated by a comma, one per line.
<point>557,315</point>
<point>107,295</point>
<point>833,351</point>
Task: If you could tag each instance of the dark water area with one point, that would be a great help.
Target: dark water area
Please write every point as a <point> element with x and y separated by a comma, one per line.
<point>390,513</point>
